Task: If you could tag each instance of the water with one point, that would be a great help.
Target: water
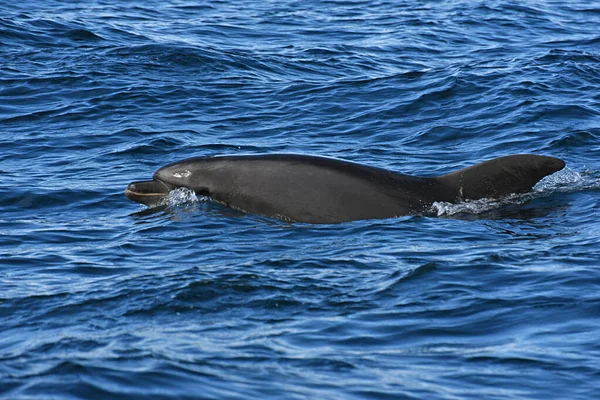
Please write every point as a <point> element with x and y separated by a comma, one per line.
<point>102,298</point>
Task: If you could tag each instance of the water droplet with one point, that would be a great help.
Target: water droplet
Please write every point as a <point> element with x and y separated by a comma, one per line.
<point>182,196</point>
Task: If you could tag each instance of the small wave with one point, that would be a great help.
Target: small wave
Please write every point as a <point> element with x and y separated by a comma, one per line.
<point>567,178</point>
<point>576,138</point>
<point>83,35</point>
<point>568,181</point>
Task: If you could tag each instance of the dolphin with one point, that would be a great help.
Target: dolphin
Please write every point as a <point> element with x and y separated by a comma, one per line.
<point>324,190</point>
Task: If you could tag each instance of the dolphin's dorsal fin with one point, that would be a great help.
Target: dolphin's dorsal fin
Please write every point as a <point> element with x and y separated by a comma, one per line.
<point>501,176</point>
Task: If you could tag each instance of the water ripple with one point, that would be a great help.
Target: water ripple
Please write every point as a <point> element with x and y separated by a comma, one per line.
<point>495,299</point>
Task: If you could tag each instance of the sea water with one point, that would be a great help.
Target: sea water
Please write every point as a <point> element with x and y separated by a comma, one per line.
<point>103,298</point>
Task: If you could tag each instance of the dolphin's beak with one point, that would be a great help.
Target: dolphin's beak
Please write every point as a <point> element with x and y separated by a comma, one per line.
<point>151,193</point>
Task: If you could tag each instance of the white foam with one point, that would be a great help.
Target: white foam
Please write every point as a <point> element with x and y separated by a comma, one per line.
<point>561,179</point>
<point>476,206</point>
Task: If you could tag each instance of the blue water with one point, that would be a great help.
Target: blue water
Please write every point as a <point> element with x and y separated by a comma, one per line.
<point>102,298</point>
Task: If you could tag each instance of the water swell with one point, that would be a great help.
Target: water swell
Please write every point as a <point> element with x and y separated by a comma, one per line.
<point>494,299</point>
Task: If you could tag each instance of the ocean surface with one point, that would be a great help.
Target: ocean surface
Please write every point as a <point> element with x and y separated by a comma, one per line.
<point>101,298</point>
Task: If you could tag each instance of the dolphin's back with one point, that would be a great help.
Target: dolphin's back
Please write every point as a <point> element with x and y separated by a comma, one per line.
<point>317,189</point>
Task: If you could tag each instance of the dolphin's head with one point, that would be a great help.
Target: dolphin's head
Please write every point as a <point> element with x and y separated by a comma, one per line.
<point>151,193</point>
<point>187,173</point>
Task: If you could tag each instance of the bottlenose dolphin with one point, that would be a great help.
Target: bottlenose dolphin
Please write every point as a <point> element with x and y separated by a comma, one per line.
<point>313,189</point>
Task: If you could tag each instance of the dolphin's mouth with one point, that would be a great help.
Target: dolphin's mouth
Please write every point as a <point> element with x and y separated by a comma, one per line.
<point>151,193</point>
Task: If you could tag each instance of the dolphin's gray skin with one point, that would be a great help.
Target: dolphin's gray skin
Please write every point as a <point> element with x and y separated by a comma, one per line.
<point>325,190</point>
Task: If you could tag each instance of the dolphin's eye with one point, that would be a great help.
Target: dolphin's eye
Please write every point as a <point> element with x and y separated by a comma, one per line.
<point>183,174</point>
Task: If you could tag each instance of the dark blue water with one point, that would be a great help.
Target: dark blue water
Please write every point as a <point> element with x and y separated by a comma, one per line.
<point>100,298</point>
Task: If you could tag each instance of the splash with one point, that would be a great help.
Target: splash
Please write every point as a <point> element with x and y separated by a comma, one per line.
<point>564,179</point>
<point>442,208</point>
<point>181,196</point>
